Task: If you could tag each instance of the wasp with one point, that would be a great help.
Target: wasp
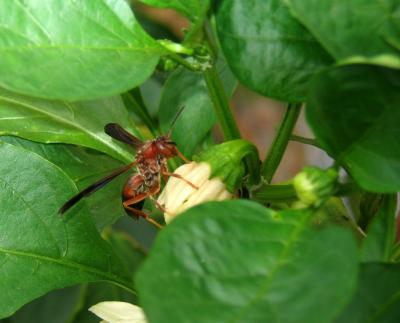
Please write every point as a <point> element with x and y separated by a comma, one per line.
<point>151,163</point>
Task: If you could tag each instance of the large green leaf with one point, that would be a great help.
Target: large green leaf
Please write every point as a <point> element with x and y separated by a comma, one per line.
<point>39,249</point>
<point>193,9</point>
<point>79,123</point>
<point>187,89</point>
<point>355,30</point>
<point>71,304</point>
<point>236,261</point>
<point>355,112</point>
<point>267,49</point>
<point>73,49</point>
<point>381,234</point>
<point>377,299</point>
<point>84,166</point>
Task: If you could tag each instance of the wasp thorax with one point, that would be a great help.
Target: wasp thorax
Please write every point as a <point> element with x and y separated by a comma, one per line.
<point>166,147</point>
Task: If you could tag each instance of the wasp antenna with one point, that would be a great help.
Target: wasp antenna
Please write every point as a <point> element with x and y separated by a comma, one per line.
<point>174,121</point>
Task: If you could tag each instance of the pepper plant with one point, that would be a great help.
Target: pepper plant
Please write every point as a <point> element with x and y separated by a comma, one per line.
<point>317,248</point>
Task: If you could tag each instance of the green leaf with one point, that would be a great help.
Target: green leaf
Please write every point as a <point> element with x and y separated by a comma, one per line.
<point>71,304</point>
<point>354,30</point>
<point>354,112</point>
<point>377,299</point>
<point>188,89</point>
<point>267,49</point>
<point>381,234</point>
<point>193,9</point>
<point>236,261</point>
<point>73,50</point>
<point>79,123</point>
<point>40,250</point>
<point>84,167</point>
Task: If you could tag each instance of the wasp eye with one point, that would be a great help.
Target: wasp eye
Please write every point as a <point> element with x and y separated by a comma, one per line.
<point>171,143</point>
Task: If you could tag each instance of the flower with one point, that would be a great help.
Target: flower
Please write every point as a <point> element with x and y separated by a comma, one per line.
<point>178,195</point>
<point>215,175</point>
<point>118,312</point>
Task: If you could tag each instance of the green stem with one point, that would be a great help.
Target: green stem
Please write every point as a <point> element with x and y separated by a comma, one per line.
<point>275,153</point>
<point>304,140</point>
<point>268,193</point>
<point>208,33</point>
<point>221,104</point>
<point>179,59</point>
<point>396,253</point>
<point>134,102</point>
<point>274,193</point>
<point>80,303</point>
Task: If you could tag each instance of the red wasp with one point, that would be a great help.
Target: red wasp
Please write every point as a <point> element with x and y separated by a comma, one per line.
<point>151,162</point>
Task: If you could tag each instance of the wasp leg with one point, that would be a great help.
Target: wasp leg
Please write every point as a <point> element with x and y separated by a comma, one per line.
<point>166,173</point>
<point>137,212</point>
<point>159,206</point>
<point>181,156</point>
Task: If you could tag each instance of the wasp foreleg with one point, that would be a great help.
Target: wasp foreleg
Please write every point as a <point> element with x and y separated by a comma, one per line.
<point>166,173</point>
<point>132,211</point>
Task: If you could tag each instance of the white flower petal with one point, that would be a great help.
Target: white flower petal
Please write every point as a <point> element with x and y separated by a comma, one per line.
<point>178,190</point>
<point>172,181</point>
<point>119,312</point>
<point>207,192</point>
<point>224,195</point>
<point>178,196</point>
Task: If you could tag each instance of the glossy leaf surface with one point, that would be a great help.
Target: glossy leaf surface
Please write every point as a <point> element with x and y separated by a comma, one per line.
<point>73,49</point>
<point>236,261</point>
<point>84,166</point>
<point>71,304</point>
<point>355,112</point>
<point>79,123</point>
<point>354,30</point>
<point>267,49</point>
<point>40,250</point>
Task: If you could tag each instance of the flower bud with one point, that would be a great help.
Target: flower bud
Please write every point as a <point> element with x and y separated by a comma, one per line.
<point>216,173</point>
<point>118,312</point>
<point>166,64</point>
<point>178,195</point>
<point>226,161</point>
<point>314,185</point>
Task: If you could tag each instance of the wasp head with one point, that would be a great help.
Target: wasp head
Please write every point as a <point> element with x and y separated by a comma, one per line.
<point>166,147</point>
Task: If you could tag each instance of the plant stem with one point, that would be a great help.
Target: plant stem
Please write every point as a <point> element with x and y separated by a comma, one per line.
<point>221,104</point>
<point>275,153</point>
<point>304,140</point>
<point>274,193</point>
<point>268,193</point>
<point>179,59</point>
<point>134,102</point>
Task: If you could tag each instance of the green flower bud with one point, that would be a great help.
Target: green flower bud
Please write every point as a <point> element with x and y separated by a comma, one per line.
<point>314,185</point>
<point>166,64</point>
<point>226,161</point>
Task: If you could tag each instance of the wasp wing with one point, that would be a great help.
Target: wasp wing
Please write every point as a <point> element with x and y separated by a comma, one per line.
<point>94,187</point>
<point>115,131</point>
